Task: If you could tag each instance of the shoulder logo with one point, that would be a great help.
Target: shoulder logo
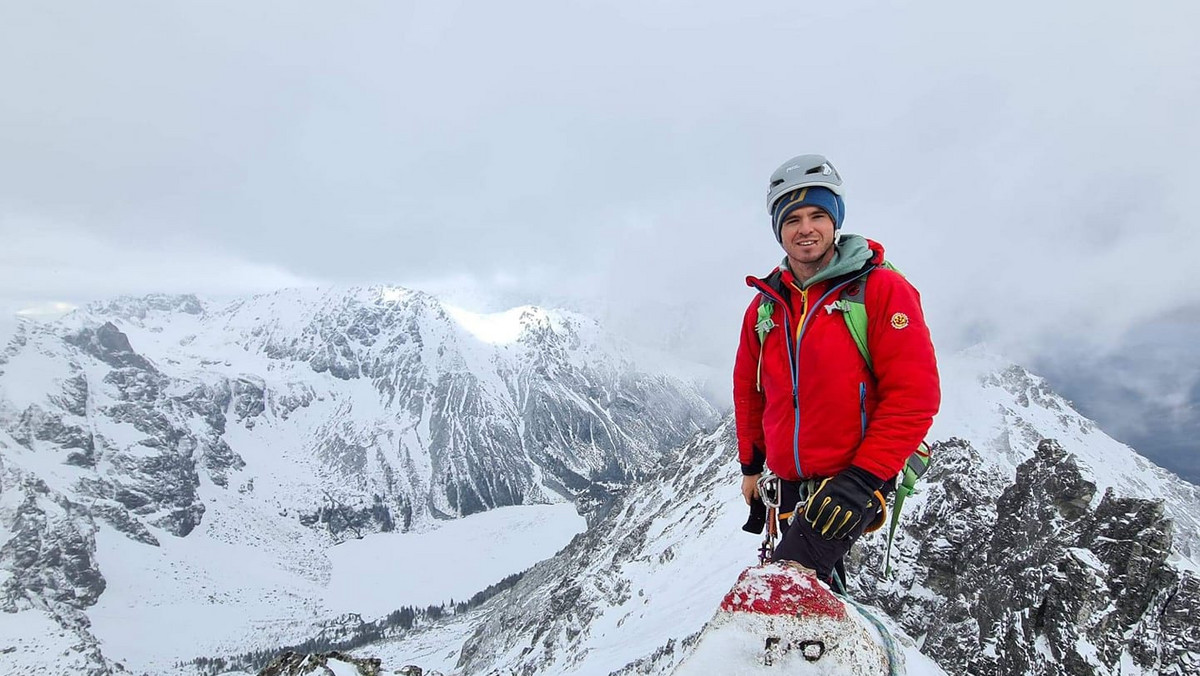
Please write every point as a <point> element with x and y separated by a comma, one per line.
<point>899,320</point>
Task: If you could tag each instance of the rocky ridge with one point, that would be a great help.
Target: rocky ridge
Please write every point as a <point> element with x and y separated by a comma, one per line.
<point>1026,576</point>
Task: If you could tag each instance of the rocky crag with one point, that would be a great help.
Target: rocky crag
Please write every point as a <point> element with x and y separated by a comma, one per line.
<point>1041,575</point>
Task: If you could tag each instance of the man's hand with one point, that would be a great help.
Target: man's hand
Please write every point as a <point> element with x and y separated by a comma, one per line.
<point>840,503</point>
<point>750,487</point>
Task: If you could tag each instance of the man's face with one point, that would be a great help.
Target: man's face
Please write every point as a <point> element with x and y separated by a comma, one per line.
<point>807,235</point>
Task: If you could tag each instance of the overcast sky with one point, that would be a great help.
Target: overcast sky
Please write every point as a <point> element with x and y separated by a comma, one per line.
<point>1032,166</point>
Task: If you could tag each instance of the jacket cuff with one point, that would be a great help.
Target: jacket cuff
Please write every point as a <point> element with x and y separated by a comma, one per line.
<point>757,460</point>
<point>864,477</point>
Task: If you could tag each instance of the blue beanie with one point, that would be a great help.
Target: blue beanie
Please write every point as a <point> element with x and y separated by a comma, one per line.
<point>810,196</point>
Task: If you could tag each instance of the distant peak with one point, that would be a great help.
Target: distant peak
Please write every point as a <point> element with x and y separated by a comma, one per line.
<point>140,307</point>
<point>497,328</point>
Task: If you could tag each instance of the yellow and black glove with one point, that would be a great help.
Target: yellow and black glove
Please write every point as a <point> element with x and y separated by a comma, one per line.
<point>838,506</point>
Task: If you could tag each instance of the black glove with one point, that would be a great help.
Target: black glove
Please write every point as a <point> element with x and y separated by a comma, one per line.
<point>840,503</point>
<point>758,517</point>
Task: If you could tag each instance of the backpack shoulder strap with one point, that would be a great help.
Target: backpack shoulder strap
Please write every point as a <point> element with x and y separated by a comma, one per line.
<point>766,307</point>
<point>853,301</point>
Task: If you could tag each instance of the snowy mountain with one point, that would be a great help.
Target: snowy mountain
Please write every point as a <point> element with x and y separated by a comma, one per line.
<point>181,479</point>
<point>169,463</point>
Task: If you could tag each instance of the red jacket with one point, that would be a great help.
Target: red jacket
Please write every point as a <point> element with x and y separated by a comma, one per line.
<point>847,415</point>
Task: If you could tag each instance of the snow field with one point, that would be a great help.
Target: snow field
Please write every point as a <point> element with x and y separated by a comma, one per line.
<point>384,571</point>
<point>200,596</point>
<point>30,640</point>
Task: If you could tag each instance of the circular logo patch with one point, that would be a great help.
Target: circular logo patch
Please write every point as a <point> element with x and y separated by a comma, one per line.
<point>899,320</point>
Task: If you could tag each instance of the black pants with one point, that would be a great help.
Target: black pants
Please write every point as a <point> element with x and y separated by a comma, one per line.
<point>800,543</point>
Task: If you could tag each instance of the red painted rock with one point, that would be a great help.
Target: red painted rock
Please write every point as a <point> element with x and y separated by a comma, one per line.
<point>780,589</point>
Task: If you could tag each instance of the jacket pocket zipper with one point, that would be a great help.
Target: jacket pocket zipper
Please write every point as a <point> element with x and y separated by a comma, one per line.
<point>862,407</point>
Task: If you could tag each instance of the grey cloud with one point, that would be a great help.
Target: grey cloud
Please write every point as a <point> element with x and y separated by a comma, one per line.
<point>1026,164</point>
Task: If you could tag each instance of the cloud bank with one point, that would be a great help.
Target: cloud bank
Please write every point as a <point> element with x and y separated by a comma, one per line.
<point>1029,166</point>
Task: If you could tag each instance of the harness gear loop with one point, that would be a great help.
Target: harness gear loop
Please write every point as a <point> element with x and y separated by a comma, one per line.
<point>768,492</point>
<point>768,489</point>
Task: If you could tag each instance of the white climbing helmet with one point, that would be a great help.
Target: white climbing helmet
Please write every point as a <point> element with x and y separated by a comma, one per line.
<point>799,172</point>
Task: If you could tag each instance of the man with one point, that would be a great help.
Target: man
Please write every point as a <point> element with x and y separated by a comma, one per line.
<point>835,429</point>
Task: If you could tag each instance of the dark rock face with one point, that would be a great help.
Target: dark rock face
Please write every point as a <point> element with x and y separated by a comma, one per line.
<point>159,487</point>
<point>110,346</point>
<point>120,519</point>
<point>295,664</point>
<point>37,424</point>
<point>249,396</point>
<point>51,552</point>
<point>338,518</point>
<point>1045,584</point>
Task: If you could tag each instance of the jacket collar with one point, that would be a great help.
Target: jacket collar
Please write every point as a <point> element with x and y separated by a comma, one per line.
<point>854,253</point>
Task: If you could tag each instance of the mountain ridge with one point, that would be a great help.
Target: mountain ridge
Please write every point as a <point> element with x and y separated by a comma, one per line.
<point>284,423</point>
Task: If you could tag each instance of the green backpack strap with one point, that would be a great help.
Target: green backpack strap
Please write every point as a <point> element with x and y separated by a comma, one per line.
<point>916,466</point>
<point>763,326</point>
<point>853,304</point>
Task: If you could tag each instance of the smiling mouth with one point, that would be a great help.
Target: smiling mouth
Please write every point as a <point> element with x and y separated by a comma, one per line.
<point>807,242</point>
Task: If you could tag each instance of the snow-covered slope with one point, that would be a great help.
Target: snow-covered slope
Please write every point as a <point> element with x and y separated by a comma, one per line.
<point>179,469</point>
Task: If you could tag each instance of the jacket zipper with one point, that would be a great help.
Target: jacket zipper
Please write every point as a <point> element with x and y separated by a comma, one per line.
<point>796,374</point>
<point>862,407</point>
